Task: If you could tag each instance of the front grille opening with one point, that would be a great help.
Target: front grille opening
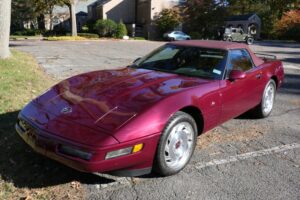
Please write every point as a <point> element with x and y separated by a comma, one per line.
<point>73,152</point>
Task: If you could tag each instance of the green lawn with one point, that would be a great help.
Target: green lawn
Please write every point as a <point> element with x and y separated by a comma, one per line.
<point>23,173</point>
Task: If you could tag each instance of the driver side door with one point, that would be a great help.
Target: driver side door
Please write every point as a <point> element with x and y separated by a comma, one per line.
<point>239,96</point>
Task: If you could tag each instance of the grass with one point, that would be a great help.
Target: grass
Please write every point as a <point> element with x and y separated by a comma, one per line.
<point>65,38</point>
<point>139,38</point>
<point>23,173</point>
<point>20,80</point>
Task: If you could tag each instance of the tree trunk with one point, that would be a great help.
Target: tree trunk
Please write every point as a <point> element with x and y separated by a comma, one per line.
<point>73,17</point>
<point>70,21</point>
<point>5,12</point>
<point>50,16</point>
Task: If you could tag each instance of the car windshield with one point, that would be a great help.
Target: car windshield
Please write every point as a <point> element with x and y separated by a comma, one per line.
<point>186,60</point>
<point>179,33</point>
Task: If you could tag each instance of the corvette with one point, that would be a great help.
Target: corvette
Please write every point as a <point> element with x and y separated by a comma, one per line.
<point>147,116</point>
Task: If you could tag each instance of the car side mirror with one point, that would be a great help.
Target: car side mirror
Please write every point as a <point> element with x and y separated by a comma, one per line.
<point>137,60</point>
<point>236,74</point>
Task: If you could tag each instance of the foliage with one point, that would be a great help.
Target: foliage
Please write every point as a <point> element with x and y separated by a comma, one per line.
<point>88,35</point>
<point>288,27</point>
<point>270,11</point>
<point>195,35</point>
<point>105,27</point>
<point>22,11</point>
<point>204,17</point>
<point>167,20</point>
<point>91,26</point>
<point>121,30</point>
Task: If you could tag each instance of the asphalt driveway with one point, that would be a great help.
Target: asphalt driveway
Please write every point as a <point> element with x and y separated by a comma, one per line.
<point>241,159</point>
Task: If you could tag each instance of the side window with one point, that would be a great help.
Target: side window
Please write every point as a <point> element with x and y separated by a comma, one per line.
<point>239,59</point>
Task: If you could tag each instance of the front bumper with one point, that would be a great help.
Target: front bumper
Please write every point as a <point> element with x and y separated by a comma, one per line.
<point>48,145</point>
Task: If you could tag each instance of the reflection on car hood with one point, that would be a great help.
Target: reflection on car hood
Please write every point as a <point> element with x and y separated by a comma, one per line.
<point>109,99</point>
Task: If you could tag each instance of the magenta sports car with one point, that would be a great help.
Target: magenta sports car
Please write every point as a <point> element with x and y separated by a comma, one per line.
<point>147,116</point>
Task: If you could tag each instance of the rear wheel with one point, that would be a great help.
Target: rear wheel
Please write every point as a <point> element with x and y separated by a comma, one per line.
<point>249,40</point>
<point>176,145</point>
<point>264,109</point>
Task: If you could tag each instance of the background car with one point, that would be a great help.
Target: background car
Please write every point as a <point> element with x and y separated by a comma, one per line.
<point>237,35</point>
<point>147,116</point>
<point>176,35</point>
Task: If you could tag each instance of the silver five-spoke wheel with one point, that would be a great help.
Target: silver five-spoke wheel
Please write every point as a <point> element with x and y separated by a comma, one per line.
<point>176,145</point>
<point>179,145</point>
<point>265,107</point>
<point>268,99</point>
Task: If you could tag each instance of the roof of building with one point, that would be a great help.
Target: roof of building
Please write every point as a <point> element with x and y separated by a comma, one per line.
<point>81,13</point>
<point>99,3</point>
<point>216,44</point>
<point>240,17</point>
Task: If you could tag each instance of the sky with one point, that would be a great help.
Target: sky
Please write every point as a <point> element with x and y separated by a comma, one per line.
<point>81,6</point>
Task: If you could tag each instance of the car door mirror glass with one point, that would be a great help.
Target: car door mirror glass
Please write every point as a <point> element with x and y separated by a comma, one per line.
<point>236,74</point>
<point>137,60</point>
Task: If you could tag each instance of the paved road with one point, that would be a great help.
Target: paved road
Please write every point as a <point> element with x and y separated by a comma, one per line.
<point>241,159</point>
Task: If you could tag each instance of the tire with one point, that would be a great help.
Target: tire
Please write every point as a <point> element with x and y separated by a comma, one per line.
<point>229,39</point>
<point>249,40</point>
<point>265,107</point>
<point>172,39</point>
<point>176,145</point>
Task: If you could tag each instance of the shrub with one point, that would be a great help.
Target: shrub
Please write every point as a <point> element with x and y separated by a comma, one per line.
<point>105,27</point>
<point>121,30</point>
<point>56,32</point>
<point>288,27</point>
<point>90,24</point>
<point>195,35</point>
<point>88,35</point>
<point>28,32</point>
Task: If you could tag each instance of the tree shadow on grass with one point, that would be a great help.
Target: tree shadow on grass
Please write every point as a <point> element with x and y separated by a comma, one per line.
<point>25,168</point>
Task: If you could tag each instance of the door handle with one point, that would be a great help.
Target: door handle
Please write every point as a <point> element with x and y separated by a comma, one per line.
<point>258,76</point>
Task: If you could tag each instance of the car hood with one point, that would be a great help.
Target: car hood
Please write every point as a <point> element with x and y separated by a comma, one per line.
<point>109,99</point>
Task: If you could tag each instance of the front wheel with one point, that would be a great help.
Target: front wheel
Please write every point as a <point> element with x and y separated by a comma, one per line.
<point>229,39</point>
<point>264,109</point>
<point>176,145</point>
